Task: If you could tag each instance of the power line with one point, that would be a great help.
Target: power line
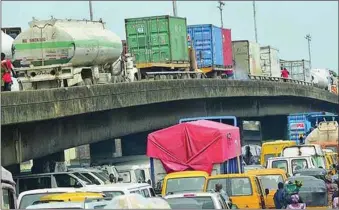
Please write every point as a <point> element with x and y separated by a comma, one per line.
<point>220,7</point>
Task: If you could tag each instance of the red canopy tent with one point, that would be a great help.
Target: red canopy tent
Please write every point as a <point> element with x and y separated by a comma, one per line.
<point>194,145</point>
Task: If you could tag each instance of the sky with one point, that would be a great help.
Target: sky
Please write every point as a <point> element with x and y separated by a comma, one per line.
<point>280,24</point>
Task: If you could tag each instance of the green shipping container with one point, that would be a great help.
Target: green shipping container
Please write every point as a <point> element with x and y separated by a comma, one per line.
<point>157,40</point>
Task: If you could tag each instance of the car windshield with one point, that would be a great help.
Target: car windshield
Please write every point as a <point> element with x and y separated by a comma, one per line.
<point>28,200</point>
<point>270,181</point>
<point>90,177</point>
<point>100,176</point>
<point>186,184</point>
<point>205,202</point>
<point>232,186</point>
<point>82,177</point>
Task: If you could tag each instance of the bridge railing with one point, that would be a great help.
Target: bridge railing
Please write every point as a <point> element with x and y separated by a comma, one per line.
<point>278,79</point>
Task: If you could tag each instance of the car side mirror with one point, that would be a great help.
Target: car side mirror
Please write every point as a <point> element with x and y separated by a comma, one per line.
<point>267,191</point>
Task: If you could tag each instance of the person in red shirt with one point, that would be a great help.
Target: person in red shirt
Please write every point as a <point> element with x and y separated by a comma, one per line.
<point>6,67</point>
<point>284,73</point>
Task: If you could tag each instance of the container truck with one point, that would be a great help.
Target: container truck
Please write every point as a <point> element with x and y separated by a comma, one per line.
<point>201,145</point>
<point>61,53</point>
<point>246,56</point>
<point>270,63</point>
<point>302,123</point>
<point>159,45</point>
<point>213,50</point>
<point>299,69</point>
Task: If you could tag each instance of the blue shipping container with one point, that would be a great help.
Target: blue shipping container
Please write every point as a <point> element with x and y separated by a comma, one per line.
<point>301,123</point>
<point>207,43</point>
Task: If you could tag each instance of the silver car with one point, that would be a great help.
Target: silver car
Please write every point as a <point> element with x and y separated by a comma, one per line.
<point>200,200</point>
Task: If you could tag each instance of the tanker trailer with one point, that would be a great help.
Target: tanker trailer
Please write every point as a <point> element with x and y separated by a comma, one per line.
<point>6,45</point>
<point>320,78</point>
<point>61,53</point>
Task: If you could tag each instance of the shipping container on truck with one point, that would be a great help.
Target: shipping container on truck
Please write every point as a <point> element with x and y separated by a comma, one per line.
<point>246,55</point>
<point>227,50</point>
<point>231,166</point>
<point>207,41</point>
<point>299,69</point>
<point>200,145</point>
<point>270,63</point>
<point>158,42</point>
<point>301,123</point>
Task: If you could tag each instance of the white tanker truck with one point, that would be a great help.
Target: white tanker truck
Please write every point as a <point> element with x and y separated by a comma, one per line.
<point>62,53</point>
<point>321,78</point>
<point>6,45</point>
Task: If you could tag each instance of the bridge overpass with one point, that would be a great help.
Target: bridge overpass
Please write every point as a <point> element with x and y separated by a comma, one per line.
<point>41,122</point>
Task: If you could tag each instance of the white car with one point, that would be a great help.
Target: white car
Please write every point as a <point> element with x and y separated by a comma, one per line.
<point>70,205</point>
<point>113,190</point>
<point>201,200</point>
<point>29,197</point>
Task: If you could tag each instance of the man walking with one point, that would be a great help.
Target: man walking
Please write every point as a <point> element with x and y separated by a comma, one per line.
<point>279,197</point>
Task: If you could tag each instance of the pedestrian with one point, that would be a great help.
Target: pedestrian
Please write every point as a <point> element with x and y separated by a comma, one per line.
<point>6,73</point>
<point>331,188</point>
<point>248,158</point>
<point>295,203</point>
<point>279,197</point>
<point>218,188</point>
<point>284,73</point>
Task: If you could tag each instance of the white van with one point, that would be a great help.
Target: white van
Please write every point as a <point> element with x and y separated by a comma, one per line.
<point>135,171</point>
<point>112,190</point>
<point>48,180</point>
<point>8,195</point>
<point>29,197</point>
<point>313,150</point>
<point>291,164</point>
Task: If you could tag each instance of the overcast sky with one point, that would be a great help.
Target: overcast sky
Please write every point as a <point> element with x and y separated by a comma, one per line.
<point>280,24</point>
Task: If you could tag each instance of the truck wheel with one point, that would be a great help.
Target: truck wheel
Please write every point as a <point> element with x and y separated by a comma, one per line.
<point>88,81</point>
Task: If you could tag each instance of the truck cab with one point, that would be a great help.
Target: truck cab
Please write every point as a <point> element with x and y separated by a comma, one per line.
<point>8,195</point>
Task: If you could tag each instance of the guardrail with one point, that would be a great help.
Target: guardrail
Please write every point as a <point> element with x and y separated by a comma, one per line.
<point>279,79</point>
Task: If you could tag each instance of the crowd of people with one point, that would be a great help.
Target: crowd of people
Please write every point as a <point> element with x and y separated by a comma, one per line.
<point>284,200</point>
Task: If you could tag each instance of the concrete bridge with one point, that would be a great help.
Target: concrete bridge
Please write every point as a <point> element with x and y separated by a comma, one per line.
<point>42,122</point>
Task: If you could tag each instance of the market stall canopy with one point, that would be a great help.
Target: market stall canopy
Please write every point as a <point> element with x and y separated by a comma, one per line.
<point>195,145</point>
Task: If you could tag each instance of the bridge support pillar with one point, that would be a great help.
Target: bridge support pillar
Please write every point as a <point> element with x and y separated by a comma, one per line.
<point>47,164</point>
<point>274,127</point>
<point>135,144</point>
<point>105,150</point>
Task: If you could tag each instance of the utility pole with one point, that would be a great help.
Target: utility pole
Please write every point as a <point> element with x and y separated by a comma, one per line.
<point>220,7</point>
<point>255,23</point>
<point>90,10</point>
<point>174,4</point>
<point>309,39</point>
